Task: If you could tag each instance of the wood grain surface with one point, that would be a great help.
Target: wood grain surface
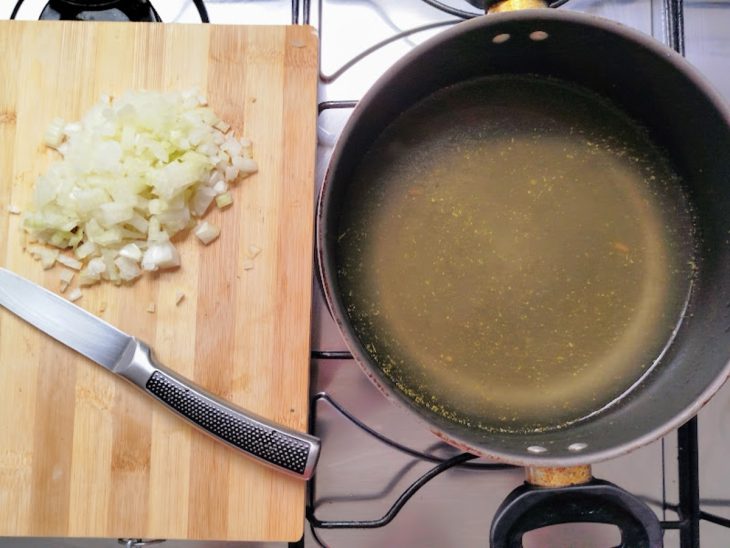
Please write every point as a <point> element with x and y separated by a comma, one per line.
<point>83,453</point>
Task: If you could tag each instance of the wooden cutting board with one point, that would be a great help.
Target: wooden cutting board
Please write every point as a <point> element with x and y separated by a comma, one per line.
<point>83,453</point>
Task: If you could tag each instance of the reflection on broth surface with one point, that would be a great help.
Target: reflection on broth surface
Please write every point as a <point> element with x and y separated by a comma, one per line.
<point>515,253</point>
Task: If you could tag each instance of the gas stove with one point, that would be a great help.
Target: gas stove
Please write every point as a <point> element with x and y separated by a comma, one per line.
<point>382,478</point>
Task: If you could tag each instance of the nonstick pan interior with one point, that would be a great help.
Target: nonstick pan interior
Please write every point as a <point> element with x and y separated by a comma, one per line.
<point>515,253</point>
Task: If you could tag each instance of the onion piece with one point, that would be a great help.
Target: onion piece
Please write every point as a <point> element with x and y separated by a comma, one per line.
<point>207,232</point>
<point>131,251</point>
<point>96,266</point>
<point>85,249</point>
<point>66,276</point>
<point>54,132</point>
<point>46,256</point>
<point>245,165</point>
<point>69,262</point>
<point>223,200</point>
<point>93,271</point>
<point>201,200</point>
<point>160,255</point>
<point>75,295</point>
<point>220,187</point>
<point>65,279</point>
<point>128,268</point>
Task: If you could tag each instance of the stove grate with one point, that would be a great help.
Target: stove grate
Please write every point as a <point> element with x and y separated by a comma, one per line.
<point>688,509</point>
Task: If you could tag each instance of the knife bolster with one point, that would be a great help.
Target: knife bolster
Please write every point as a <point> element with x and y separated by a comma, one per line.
<point>136,363</point>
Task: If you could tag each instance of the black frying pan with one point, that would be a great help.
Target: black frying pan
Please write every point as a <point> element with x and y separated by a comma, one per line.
<point>683,116</point>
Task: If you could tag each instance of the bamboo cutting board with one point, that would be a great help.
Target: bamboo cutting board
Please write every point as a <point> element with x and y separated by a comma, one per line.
<point>83,453</point>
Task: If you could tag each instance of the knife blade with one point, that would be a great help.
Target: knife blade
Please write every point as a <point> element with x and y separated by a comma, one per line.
<point>286,450</point>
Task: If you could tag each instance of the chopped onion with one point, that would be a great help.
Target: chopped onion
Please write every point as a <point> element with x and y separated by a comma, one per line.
<point>154,206</point>
<point>69,262</point>
<point>54,132</point>
<point>75,295</point>
<point>160,255</point>
<point>247,166</point>
<point>231,173</point>
<point>46,256</point>
<point>131,251</point>
<point>86,279</point>
<point>114,213</point>
<point>248,264</point>
<point>179,296</point>
<point>217,176</point>
<point>128,268</point>
<point>66,276</point>
<point>85,249</point>
<point>220,187</point>
<point>13,209</point>
<point>207,232</point>
<point>135,171</point>
<point>139,223</point>
<point>93,271</point>
<point>223,200</point>
<point>155,233</point>
<point>96,266</point>
<point>65,279</point>
<point>201,200</point>
<point>151,308</point>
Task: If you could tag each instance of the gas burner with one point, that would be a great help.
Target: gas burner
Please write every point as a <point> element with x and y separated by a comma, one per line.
<point>100,10</point>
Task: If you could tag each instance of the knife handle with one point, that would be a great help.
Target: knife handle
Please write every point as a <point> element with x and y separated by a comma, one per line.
<point>286,450</point>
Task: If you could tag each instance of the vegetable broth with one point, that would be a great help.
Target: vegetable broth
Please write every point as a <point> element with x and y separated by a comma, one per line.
<point>515,253</point>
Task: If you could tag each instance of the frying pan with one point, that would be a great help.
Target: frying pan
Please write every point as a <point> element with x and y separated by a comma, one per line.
<point>660,90</point>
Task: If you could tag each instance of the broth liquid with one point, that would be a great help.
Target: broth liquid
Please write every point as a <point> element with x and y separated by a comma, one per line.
<point>515,253</point>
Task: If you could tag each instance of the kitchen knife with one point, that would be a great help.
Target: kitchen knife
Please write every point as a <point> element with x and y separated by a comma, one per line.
<point>286,450</point>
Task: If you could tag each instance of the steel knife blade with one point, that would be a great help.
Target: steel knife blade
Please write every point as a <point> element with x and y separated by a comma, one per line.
<point>287,450</point>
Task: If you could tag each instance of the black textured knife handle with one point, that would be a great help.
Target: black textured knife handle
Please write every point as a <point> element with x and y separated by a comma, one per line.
<point>286,450</point>
<point>529,507</point>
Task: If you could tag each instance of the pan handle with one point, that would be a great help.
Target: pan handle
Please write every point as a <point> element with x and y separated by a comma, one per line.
<point>530,507</point>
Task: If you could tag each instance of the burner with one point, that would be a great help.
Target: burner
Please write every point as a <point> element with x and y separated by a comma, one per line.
<point>100,10</point>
